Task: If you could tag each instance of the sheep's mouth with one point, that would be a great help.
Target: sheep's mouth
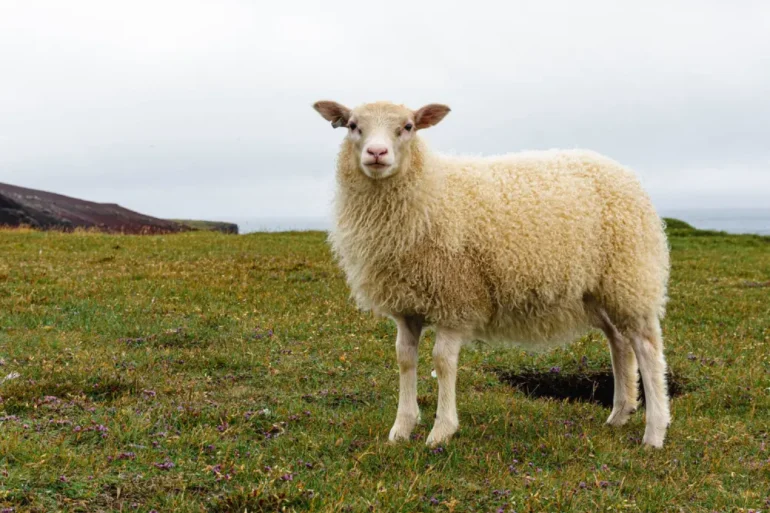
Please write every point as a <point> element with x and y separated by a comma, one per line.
<point>377,165</point>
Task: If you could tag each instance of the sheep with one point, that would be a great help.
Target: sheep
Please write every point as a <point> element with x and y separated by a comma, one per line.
<point>529,249</point>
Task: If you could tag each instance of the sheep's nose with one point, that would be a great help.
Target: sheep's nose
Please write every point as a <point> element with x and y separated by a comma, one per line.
<point>377,151</point>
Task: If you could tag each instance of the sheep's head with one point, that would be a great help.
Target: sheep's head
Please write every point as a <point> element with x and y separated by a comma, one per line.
<point>380,132</point>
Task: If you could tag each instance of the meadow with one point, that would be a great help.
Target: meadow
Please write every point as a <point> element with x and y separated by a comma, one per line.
<point>211,372</point>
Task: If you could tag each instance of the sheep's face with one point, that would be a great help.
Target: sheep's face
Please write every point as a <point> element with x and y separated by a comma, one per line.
<point>381,132</point>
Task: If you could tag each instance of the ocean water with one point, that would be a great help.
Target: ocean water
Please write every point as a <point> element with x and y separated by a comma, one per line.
<point>731,220</point>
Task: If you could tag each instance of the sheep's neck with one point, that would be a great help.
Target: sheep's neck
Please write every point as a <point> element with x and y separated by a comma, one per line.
<point>390,214</point>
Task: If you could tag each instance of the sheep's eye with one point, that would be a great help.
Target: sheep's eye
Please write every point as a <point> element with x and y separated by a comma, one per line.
<point>352,126</point>
<point>408,127</point>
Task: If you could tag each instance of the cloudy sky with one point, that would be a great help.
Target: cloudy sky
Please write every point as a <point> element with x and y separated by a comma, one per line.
<point>201,109</point>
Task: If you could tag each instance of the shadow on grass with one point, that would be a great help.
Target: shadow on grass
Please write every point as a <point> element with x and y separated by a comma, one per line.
<point>596,387</point>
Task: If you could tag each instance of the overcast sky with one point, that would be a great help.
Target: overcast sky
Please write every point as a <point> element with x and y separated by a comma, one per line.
<point>202,109</point>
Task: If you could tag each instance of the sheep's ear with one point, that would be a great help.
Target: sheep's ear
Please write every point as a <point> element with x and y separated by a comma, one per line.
<point>430,115</point>
<point>334,112</point>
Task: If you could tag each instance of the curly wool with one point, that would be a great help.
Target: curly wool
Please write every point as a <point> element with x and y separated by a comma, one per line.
<point>514,249</point>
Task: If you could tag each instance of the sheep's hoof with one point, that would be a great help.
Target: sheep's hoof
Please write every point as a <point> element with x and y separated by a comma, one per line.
<point>441,433</point>
<point>620,415</point>
<point>654,436</point>
<point>402,428</point>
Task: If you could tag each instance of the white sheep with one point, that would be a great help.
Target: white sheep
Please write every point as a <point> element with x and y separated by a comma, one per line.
<point>531,249</point>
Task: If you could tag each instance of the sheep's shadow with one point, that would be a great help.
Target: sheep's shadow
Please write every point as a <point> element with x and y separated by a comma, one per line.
<point>594,386</point>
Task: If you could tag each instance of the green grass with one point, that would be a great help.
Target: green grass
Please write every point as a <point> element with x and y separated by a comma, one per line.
<point>207,372</point>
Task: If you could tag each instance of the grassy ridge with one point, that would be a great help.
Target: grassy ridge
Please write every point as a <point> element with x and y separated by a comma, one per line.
<point>205,372</point>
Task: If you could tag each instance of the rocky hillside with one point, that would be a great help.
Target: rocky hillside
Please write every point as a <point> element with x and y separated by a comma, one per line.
<point>45,210</point>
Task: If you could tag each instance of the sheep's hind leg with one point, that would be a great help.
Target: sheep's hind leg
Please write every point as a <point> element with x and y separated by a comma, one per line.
<point>407,339</point>
<point>648,346</point>
<point>446,354</point>
<point>625,372</point>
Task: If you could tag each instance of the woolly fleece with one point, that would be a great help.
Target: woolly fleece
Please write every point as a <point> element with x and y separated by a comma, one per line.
<point>518,248</point>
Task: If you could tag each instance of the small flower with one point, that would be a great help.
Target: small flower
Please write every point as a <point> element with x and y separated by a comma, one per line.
<point>603,484</point>
<point>287,477</point>
<point>434,501</point>
<point>582,484</point>
<point>63,479</point>
<point>555,370</point>
<point>166,465</point>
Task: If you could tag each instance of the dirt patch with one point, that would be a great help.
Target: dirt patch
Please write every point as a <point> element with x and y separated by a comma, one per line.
<point>595,387</point>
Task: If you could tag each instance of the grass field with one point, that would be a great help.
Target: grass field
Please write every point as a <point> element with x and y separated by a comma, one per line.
<point>207,372</point>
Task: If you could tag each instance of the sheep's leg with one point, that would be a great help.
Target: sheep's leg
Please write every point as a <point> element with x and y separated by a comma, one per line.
<point>648,346</point>
<point>407,339</point>
<point>446,353</point>
<point>625,373</point>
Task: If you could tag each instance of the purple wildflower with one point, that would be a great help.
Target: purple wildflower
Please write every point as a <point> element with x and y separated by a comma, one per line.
<point>434,501</point>
<point>287,477</point>
<point>555,370</point>
<point>166,465</point>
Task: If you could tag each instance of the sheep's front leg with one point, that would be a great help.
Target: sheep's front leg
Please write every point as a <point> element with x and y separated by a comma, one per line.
<point>409,330</point>
<point>446,353</point>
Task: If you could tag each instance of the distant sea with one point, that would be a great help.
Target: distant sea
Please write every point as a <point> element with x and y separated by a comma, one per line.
<point>731,220</point>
